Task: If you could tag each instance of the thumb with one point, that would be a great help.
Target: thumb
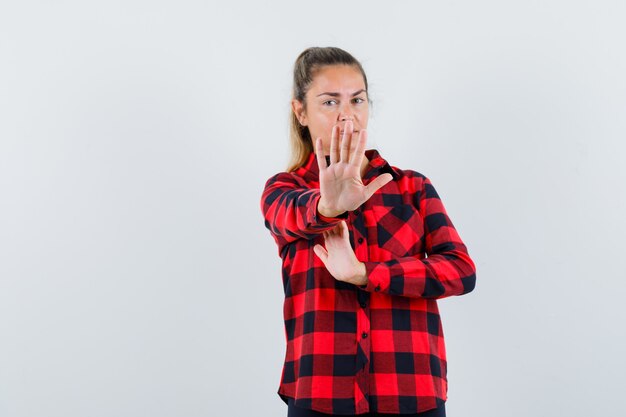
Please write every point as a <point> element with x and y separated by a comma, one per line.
<point>343,230</point>
<point>377,184</point>
<point>321,253</point>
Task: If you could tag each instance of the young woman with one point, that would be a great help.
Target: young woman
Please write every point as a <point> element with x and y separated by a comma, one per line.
<point>367,250</point>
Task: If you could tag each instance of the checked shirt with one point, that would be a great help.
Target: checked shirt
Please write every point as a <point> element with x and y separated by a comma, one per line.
<point>378,347</point>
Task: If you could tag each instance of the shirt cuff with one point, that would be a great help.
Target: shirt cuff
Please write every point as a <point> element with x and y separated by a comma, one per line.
<point>378,277</point>
<point>320,218</point>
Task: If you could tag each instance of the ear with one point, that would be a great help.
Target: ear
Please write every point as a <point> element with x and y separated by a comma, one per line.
<point>298,109</point>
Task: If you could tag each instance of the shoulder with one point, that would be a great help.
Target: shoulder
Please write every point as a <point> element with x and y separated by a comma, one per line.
<point>399,174</point>
<point>409,179</point>
<point>284,177</point>
<point>415,183</point>
<point>409,173</point>
<point>284,183</point>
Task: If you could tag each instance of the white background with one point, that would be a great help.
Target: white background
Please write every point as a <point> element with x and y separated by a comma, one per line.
<point>137,278</point>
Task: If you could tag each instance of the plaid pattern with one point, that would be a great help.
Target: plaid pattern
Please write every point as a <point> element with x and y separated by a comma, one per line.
<point>373,348</point>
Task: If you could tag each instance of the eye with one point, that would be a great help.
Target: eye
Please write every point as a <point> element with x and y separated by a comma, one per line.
<point>358,100</point>
<point>329,102</point>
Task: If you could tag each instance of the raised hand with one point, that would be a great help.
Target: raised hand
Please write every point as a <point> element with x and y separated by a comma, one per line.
<point>341,186</point>
<point>339,257</point>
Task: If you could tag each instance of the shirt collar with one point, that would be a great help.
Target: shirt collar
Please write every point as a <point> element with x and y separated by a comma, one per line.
<point>376,166</point>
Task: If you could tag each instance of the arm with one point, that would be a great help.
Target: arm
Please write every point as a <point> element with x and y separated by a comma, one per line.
<point>448,270</point>
<point>293,211</point>
<point>290,209</point>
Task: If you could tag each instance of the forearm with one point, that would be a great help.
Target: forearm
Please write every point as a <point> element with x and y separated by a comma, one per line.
<point>438,276</point>
<point>441,269</point>
<point>291,212</point>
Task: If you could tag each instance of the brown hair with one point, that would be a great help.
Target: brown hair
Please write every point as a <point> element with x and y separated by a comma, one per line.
<point>307,63</point>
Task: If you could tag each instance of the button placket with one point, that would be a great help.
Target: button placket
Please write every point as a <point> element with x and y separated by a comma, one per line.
<point>363,317</point>
<point>360,241</point>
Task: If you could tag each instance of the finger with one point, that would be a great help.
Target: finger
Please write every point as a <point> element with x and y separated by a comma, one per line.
<point>321,253</point>
<point>348,128</point>
<point>319,153</point>
<point>344,232</point>
<point>343,227</point>
<point>377,184</point>
<point>359,150</point>
<point>334,145</point>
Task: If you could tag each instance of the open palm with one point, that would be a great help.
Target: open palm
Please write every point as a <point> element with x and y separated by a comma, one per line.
<point>341,186</point>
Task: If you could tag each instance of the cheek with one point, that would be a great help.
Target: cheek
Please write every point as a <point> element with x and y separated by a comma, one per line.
<point>364,116</point>
<point>321,125</point>
<point>325,142</point>
<point>325,145</point>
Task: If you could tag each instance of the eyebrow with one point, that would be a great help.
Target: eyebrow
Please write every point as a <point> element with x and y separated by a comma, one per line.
<point>337,94</point>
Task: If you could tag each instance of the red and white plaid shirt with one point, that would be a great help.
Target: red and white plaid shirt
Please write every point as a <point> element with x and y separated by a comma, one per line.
<point>378,347</point>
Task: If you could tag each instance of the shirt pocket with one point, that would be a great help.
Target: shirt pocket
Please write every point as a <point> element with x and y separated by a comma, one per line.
<point>397,230</point>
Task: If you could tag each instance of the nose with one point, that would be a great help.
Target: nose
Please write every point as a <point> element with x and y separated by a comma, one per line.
<point>345,114</point>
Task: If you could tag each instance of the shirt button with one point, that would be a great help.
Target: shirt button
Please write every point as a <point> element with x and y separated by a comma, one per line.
<point>377,288</point>
<point>356,213</point>
<point>364,335</point>
<point>363,304</point>
<point>360,240</point>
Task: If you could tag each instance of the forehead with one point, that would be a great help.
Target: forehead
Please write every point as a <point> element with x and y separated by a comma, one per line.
<point>337,78</point>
